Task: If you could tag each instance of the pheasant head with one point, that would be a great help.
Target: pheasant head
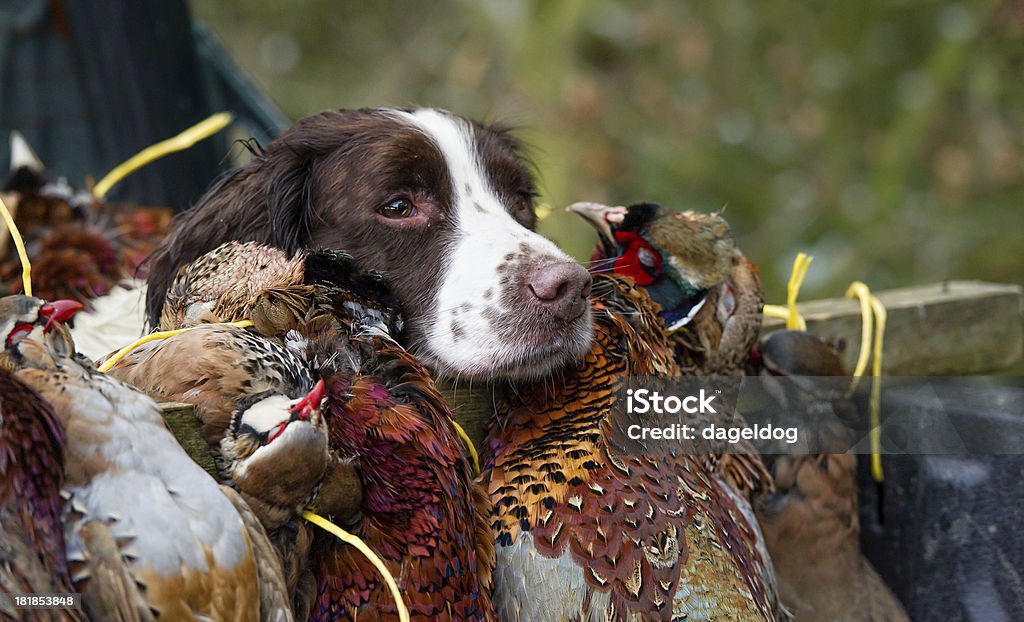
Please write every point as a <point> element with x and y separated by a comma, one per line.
<point>679,256</point>
<point>275,452</point>
<point>689,263</point>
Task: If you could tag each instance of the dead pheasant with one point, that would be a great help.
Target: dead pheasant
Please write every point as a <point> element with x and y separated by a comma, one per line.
<point>420,510</point>
<point>148,533</point>
<point>246,280</point>
<point>689,261</point>
<point>588,528</point>
<point>32,554</point>
<point>226,283</point>
<point>709,295</point>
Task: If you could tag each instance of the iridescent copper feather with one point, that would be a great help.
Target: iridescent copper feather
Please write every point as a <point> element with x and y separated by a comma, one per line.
<point>420,512</point>
<point>589,530</point>
<point>32,554</point>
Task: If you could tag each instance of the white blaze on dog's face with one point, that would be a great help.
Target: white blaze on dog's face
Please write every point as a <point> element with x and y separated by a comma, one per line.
<point>442,207</point>
<point>509,302</point>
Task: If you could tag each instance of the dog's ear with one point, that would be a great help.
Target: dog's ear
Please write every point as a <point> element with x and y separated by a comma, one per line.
<point>269,200</point>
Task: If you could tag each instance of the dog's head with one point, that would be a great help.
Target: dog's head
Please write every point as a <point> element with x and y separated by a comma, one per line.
<point>442,206</point>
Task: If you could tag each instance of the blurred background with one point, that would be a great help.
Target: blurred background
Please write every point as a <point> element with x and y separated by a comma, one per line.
<point>884,138</point>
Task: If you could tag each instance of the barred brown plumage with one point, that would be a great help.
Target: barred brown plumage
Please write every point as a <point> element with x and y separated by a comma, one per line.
<point>586,530</point>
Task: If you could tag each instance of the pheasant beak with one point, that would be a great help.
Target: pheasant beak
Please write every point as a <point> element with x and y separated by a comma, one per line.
<point>59,311</point>
<point>602,218</point>
<point>304,407</point>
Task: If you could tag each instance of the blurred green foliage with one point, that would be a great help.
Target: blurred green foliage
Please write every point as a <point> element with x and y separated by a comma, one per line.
<point>882,137</point>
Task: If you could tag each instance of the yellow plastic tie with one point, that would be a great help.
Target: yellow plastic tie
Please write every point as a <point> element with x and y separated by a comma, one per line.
<point>123,352</point>
<point>876,390</point>
<point>473,455</point>
<point>860,291</point>
<point>872,340</point>
<point>26,265</point>
<point>794,321</point>
<point>347,538</point>
<point>200,131</point>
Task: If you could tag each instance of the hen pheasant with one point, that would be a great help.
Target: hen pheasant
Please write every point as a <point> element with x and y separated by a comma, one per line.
<point>148,533</point>
<point>246,280</point>
<point>810,522</point>
<point>589,528</point>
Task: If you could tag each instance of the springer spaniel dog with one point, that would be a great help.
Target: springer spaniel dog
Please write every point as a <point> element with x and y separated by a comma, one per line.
<point>443,207</point>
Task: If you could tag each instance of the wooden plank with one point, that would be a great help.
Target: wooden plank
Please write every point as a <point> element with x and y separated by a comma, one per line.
<point>952,328</point>
<point>188,429</point>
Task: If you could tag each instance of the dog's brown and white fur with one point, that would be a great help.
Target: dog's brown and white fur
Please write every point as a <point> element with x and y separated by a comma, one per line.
<point>442,206</point>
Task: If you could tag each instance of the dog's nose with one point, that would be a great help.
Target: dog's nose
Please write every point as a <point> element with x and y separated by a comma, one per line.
<point>562,287</point>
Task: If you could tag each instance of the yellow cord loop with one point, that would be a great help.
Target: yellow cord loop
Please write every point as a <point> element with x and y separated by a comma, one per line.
<point>863,294</point>
<point>8,218</point>
<point>200,131</point>
<point>346,537</point>
<point>123,352</point>
<point>19,243</point>
<point>873,320</point>
<point>794,321</point>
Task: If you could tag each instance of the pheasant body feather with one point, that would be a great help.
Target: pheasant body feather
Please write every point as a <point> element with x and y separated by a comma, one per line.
<point>587,528</point>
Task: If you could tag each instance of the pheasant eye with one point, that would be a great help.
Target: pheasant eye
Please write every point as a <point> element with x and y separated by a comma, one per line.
<point>398,208</point>
<point>647,257</point>
<point>18,333</point>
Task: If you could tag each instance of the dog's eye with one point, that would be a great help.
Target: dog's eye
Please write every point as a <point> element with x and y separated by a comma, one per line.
<point>398,208</point>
